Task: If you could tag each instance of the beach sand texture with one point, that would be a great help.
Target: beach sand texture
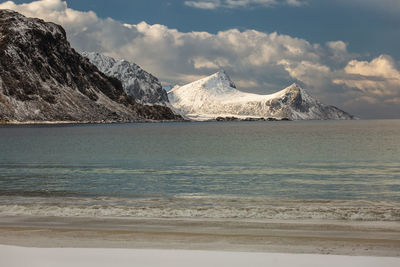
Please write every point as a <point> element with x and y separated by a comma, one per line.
<point>43,257</point>
<point>312,237</point>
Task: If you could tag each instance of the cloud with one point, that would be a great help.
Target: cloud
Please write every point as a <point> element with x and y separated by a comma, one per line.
<point>311,73</point>
<point>373,87</point>
<point>204,4</point>
<point>55,10</point>
<point>214,4</point>
<point>296,2</point>
<point>257,61</point>
<point>176,56</point>
<point>203,63</point>
<point>379,77</point>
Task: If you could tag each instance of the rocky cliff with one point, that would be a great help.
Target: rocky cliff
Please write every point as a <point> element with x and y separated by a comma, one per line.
<point>43,79</point>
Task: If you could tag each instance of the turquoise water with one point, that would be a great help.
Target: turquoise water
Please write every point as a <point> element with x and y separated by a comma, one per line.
<point>316,169</point>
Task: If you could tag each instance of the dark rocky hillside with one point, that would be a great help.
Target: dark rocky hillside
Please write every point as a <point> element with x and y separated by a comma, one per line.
<point>43,79</point>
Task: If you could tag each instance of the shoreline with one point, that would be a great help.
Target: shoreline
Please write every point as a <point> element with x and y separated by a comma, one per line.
<point>380,239</point>
<point>38,123</point>
<point>217,119</point>
<point>27,123</point>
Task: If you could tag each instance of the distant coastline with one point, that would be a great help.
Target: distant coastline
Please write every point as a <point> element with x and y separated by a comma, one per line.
<point>218,119</point>
<point>83,122</point>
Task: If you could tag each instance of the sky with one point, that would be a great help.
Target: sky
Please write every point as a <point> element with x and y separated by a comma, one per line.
<point>345,53</point>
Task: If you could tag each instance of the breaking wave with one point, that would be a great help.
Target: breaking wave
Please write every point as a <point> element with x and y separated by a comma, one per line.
<point>195,206</point>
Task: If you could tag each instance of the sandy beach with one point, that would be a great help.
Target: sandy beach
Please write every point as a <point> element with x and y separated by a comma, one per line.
<point>177,258</point>
<point>57,241</point>
<point>313,237</point>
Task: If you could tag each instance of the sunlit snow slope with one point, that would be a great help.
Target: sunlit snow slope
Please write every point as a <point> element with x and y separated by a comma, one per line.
<point>217,96</point>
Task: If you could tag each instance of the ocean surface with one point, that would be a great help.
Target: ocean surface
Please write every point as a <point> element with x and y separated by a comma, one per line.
<point>341,170</point>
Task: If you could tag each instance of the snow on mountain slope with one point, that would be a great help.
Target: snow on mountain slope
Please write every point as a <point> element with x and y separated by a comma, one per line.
<point>144,87</point>
<point>217,96</point>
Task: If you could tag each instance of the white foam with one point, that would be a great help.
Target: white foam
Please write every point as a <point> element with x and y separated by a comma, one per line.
<point>200,206</point>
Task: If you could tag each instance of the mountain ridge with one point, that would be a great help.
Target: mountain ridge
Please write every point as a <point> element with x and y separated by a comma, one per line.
<point>138,83</point>
<point>217,96</point>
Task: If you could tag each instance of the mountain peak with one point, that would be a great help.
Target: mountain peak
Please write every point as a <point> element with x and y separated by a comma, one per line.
<point>107,62</point>
<point>136,82</point>
<point>216,96</point>
<point>11,13</point>
<point>295,94</point>
<point>221,73</point>
<point>294,87</point>
<point>19,25</point>
<point>220,79</point>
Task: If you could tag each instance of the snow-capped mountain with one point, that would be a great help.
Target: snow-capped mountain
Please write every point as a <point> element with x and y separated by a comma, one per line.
<point>43,79</point>
<point>217,96</point>
<point>141,85</point>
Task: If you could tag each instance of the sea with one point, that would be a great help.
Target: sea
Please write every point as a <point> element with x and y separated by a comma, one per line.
<point>289,170</point>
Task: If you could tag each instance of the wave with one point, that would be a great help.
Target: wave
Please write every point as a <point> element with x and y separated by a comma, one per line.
<point>198,206</point>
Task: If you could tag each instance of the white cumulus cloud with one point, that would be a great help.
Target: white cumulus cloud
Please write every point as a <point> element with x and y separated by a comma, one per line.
<point>378,77</point>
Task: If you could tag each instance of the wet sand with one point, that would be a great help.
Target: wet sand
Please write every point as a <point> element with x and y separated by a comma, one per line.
<point>278,236</point>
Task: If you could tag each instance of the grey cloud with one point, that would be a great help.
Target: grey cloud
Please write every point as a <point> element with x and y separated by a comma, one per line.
<point>214,4</point>
<point>204,4</point>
